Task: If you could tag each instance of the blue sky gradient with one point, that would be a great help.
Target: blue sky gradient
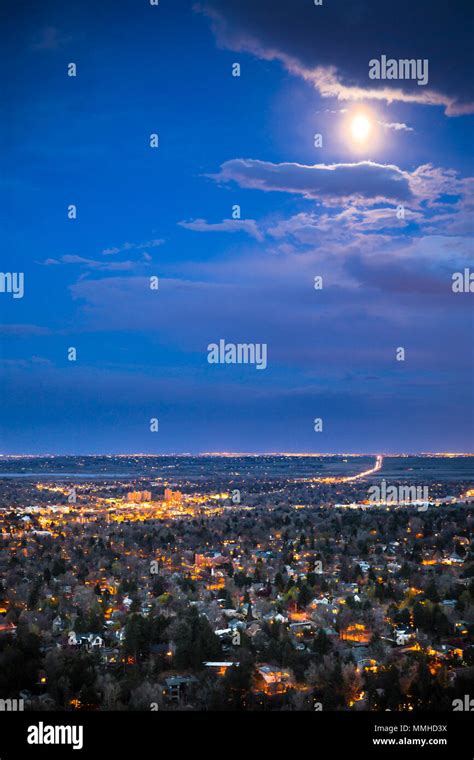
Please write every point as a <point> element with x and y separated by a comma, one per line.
<point>306,211</point>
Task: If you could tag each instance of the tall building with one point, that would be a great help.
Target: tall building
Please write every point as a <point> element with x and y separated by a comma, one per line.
<point>138,496</point>
<point>176,496</point>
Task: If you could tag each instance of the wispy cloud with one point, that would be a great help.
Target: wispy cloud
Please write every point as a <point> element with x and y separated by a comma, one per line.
<point>227,225</point>
<point>106,266</point>
<point>24,330</point>
<point>396,125</point>
<point>133,246</point>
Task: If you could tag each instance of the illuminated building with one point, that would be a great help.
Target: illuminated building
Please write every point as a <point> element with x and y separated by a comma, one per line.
<point>173,495</point>
<point>273,680</point>
<point>138,496</point>
<point>356,633</point>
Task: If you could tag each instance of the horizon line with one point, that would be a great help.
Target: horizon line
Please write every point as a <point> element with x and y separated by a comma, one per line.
<point>230,454</point>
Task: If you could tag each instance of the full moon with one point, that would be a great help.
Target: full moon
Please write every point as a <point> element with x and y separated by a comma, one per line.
<point>361,128</point>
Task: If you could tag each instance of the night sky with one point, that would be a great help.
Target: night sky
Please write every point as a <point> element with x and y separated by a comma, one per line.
<point>306,211</point>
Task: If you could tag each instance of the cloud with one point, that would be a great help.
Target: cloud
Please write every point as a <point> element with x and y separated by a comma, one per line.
<point>381,289</point>
<point>431,183</point>
<point>132,246</point>
<point>109,266</point>
<point>227,225</point>
<point>332,182</point>
<point>330,46</point>
<point>24,329</point>
<point>327,226</point>
<point>364,183</point>
<point>421,266</point>
<point>397,125</point>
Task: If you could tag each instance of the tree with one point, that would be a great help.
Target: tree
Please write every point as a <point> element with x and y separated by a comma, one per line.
<point>196,642</point>
<point>304,596</point>
<point>321,643</point>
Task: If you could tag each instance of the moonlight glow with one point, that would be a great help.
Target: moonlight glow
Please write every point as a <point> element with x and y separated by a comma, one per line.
<point>361,128</point>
